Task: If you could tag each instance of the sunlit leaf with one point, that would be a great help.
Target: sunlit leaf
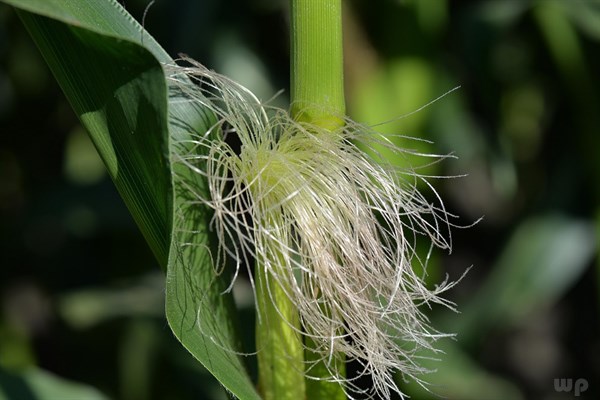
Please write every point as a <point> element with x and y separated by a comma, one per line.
<point>111,71</point>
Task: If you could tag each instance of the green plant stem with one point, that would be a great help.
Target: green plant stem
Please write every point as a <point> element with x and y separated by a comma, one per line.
<point>317,74</point>
<point>323,389</point>
<point>280,351</point>
<point>317,90</point>
<point>318,99</point>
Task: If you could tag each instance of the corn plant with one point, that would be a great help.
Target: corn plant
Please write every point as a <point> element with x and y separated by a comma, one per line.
<point>309,205</point>
<point>329,229</point>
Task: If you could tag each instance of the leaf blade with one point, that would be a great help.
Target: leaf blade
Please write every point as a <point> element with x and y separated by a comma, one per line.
<point>112,97</point>
<point>130,115</point>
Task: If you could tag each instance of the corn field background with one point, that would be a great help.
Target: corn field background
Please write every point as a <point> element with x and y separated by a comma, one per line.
<point>82,296</point>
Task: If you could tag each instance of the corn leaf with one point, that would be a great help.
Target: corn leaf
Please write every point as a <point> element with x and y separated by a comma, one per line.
<point>112,73</point>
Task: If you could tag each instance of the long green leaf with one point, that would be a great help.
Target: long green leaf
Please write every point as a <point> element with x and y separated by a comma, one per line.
<point>110,70</point>
<point>117,89</point>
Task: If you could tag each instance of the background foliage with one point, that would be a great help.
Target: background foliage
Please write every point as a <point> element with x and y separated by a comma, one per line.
<point>82,297</point>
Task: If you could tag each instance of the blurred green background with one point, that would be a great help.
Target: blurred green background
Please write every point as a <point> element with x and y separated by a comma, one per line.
<point>81,297</point>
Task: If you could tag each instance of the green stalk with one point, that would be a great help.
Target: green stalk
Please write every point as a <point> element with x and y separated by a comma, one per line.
<point>321,389</point>
<point>317,90</point>
<point>279,346</point>
<point>317,74</point>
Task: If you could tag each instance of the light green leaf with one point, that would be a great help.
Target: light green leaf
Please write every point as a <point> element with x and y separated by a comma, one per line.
<point>541,261</point>
<point>37,384</point>
<point>111,71</point>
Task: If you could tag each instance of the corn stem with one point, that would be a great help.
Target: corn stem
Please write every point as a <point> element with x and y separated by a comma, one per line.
<point>317,75</point>
<point>317,89</point>
<point>279,345</point>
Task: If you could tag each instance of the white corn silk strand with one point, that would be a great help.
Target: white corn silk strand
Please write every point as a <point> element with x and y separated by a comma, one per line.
<point>335,227</point>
